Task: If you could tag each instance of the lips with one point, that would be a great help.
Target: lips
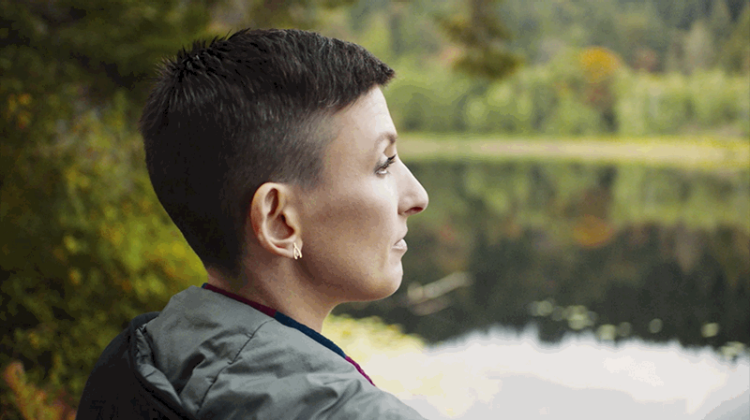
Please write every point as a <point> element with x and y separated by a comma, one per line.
<point>401,238</point>
<point>400,245</point>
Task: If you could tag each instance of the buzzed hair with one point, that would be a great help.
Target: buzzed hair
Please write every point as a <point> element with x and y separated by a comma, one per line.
<point>224,117</point>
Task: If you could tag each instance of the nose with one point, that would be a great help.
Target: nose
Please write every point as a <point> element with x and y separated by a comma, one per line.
<point>414,198</point>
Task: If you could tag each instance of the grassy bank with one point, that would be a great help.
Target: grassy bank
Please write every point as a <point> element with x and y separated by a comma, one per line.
<point>691,152</point>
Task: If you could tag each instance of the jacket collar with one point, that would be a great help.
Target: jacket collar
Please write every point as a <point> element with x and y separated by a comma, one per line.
<point>291,323</point>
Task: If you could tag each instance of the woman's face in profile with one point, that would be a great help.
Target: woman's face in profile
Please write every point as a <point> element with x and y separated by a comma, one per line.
<point>354,221</point>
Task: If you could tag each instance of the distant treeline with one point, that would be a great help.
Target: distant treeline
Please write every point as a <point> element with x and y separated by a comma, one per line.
<point>631,67</point>
<point>573,95</point>
<point>653,35</point>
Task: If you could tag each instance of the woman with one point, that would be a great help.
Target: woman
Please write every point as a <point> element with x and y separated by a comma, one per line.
<point>275,155</point>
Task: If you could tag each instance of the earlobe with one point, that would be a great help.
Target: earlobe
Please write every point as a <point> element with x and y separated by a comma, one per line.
<point>274,219</point>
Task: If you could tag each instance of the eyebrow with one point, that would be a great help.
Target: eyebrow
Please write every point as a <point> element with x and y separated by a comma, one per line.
<point>389,135</point>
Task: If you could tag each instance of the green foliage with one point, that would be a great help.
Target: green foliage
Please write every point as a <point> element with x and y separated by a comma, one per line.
<point>505,108</point>
<point>395,29</point>
<point>699,47</point>
<point>376,37</point>
<point>305,14</point>
<point>735,53</point>
<point>59,58</point>
<point>84,245</point>
<point>675,103</point>
<point>476,35</point>
<point>655,35</point>
<point>481,37</point>
<point>652,35</point>
<point>85,248</point>
<point>651,105</point>
<point>717,99</point>
<point>579,93</point>
<point>103,44</point>
<point>587,60</point>
<point>720,20</point>
<point>425,97</point>
<point>574,118</point>
<point>34,403</point>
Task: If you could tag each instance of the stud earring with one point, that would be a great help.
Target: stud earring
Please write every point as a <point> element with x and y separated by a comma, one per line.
<point>297,252</point>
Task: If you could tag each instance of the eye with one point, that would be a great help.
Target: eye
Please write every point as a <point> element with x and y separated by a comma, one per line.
<point>383,168</point>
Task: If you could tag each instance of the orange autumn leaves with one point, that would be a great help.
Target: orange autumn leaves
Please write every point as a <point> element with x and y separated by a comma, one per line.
<point>599,66</point>
<point>32,402</point>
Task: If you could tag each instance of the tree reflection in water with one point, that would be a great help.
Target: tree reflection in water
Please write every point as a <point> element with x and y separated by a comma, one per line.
<point>623,251</point>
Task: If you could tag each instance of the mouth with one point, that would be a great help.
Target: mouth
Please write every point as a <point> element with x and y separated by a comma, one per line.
<point>400,244</point>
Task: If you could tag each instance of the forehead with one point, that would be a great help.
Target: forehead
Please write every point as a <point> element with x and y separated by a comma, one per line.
<point>362,131</point>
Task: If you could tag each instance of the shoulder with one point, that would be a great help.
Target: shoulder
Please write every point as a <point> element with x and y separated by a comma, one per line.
<point>282,373</point>
<point>230,361</point>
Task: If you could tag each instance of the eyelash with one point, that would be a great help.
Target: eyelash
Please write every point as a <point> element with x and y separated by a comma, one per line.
<point>383,169</point>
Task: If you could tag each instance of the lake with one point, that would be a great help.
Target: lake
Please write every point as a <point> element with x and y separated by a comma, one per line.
<point>503,374</point>
<point>607,288</point>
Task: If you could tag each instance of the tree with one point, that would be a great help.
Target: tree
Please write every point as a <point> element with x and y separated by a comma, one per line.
<point>699,47</point>
<point>60,57</point>
<point>73,190</point>
<point>482,38</point>
<point>298,14</point>
<point>735,54</point>
<point>84,243</point>
<point>720,21</point>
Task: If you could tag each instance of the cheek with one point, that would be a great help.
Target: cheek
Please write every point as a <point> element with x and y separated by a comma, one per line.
<point>350,247</point>
<point>368,207</point>
<point>376,211</point>
<point>354,219</point>
<point>362,227</point>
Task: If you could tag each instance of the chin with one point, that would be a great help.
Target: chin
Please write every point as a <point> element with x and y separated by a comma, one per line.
<point>366,286</point>
<point>385,287</point>
<point>392,289</point>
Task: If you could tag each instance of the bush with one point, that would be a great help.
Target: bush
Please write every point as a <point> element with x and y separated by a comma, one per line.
<point>585,93</point>
<point>573,118</point>
<point>718,99</point>
<point>85,247</point>
<point>506,107</point>
<point>425,97</point>
<point>647,105</point>
<point>674,103</point>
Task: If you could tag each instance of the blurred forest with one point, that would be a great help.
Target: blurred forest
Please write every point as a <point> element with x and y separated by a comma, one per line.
<point>85,245</point>
<point>610,67</point>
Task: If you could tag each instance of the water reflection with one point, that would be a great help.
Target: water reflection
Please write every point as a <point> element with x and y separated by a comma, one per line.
<point>503,374</point>
<point>620,252</point>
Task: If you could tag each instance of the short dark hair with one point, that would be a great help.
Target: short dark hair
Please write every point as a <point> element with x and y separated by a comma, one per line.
<point>226,117</point>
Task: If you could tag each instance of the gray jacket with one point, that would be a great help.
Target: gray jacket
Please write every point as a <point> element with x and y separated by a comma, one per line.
<point>222,359</point>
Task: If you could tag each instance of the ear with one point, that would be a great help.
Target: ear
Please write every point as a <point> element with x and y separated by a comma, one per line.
<point>274,219</point>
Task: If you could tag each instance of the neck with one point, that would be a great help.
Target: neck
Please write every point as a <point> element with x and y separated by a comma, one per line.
<point>282,289</point>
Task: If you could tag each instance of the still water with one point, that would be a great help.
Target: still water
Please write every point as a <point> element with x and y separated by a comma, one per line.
<point>570,290</point>
<point>504,374</point>
<point>660,254</point>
